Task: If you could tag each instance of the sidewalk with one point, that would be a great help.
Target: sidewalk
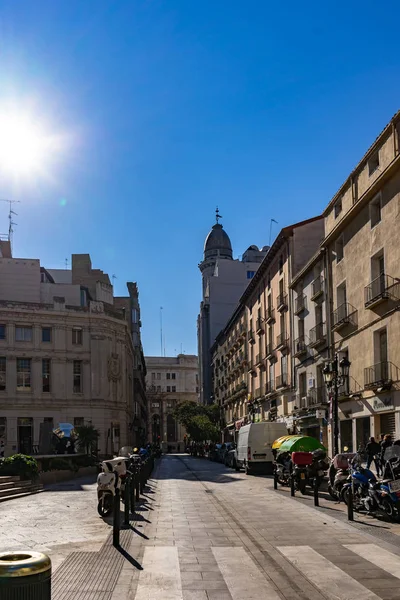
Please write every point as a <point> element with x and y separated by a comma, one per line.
<point>208,533</point>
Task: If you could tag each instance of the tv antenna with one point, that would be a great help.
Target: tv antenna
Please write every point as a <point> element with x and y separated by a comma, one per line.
<point>11,212</point>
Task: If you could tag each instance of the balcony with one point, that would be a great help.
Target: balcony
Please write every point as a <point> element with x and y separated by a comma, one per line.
<point>259,359</point>
<point>384,287</point>
<point>381,375</point>
<point>270,351</point>
<point>282,341</point>
<point>300,304</point>
<point>314,397</point>
<point>281,302</point>
<point>281,381</point>
<point>250,336</point>
<point>344,315</point>
<point>257,393</point>
<point>318,335</point>
<point>251,367</point>
<point>270,314</point>
<point>317,288</point>
<point>259,326</point>
<point>269,387</point>
<point>300,346</point>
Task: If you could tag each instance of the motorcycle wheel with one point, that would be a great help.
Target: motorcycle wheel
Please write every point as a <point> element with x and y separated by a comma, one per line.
<point>302,486</point>
<point>333,494</point>
<point>105,505</point>
<point>389,509</point>
<point>357,503</point>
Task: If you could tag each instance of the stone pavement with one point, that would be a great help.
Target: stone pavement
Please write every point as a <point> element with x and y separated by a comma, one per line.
<point>57,521</point>
<point>207,533</point>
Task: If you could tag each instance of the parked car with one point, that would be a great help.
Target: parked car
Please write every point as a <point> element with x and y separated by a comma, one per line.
<point>230,457</point>
<point>254,446</point>
<point>213,453</point>
<point>226,448</point>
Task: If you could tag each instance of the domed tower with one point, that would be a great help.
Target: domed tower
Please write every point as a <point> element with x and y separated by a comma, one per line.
<point>217,245</point>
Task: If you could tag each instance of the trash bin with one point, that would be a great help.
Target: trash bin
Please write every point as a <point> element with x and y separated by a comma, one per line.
<point>25,576</point>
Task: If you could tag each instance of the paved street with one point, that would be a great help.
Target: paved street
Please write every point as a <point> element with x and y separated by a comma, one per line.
<point>208,533</point>
<point>57,521</point>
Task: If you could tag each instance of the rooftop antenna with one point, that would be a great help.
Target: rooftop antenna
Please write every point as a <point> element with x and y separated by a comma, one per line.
<point>161,335</point>
<point>66,264</point>
<point>113,277</point>
<point>11,223</point>
<point>218,216</point>
<point>270,230</point>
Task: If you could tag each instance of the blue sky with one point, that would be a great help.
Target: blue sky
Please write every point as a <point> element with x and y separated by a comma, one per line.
<point>168,108</point>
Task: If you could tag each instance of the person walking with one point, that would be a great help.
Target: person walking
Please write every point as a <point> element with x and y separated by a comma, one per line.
<point>373,450</point>
<point>387,442</point>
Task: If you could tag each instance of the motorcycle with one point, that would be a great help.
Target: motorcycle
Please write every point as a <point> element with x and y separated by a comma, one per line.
<point>359,480</point>
<point>300,463</point>
<point>384,496</point>
<point>338,473</point>
<point>108,481</point>
<point>282,468</point>
<point>317,468</point>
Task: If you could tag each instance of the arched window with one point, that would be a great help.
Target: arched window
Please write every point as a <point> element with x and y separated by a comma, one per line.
<point>171,429</point>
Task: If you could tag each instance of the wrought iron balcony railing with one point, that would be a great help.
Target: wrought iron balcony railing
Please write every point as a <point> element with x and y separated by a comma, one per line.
<point>318,335</point>
<point>345,314</point>
<point>384,287</point>
<point>381,374</point>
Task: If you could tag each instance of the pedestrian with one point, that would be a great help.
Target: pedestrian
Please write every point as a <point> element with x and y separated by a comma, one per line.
<point>373,450</point>
<point>386,443</point>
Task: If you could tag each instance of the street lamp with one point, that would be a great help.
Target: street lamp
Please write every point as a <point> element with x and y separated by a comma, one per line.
<point>333,379</point>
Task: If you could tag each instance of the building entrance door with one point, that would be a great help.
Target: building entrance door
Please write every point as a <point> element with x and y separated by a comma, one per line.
<point>363,431</point>
<point>25,435</point>
<point>346,435</point>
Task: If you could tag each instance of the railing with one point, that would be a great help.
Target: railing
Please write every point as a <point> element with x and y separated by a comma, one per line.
<point>250,335</point>
<point>300,346</point>
<point>259,325</point>
<point>281,301</point>
<point>259,358</point>
<point>318,334</point>
<point>313,397</point>
<point>282,340</point>
<point>270,349</point>
<point>281,380</point>
<point>300,304</point>
<point>270,314</point>
<point>381,288</point>
<point>381,374</point>
<point>345,314</point>
<point>317,287</point>
<point>250,366</point>
<point>257,393</point>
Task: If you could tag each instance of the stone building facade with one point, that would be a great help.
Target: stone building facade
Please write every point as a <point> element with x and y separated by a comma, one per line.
<point>223,282</point>
<point>67,355</point>
<point>362,224</point>
<point>170,380</point>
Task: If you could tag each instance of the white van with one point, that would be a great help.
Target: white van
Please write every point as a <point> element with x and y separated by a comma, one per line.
<point>254,445</point>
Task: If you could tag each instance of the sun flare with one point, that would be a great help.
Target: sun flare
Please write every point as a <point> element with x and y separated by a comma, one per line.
<point>24,146</point>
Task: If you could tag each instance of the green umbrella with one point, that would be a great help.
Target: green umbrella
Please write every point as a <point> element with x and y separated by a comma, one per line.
<point>301,443</point>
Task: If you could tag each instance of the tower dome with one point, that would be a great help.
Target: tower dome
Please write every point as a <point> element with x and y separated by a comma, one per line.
<point>217,243</point>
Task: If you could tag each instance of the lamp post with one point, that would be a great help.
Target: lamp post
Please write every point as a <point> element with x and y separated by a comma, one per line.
<point>333,379</point>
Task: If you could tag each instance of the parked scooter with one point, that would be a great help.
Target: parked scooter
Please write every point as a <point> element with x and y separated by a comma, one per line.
<point>317,468</point>
<point>111,478</point>
<point>384,496</point>
<point>300,463</point>
<point>282,466</point>
<point>338,473</point>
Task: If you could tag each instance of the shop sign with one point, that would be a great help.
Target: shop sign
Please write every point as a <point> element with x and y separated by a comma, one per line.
<point>380,404</point>
<point>320,413</point>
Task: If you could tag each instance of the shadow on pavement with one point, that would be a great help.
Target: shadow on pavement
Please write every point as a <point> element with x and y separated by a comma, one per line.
<point>130,558</point>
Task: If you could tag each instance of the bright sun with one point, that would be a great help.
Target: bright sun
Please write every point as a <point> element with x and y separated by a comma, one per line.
<point>24,146</point>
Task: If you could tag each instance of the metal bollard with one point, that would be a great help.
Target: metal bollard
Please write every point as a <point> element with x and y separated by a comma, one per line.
<point>292,489</point>
<point>127,498</point>
<point>275,480</point>
<point>141,479</point>
<point>116,520</point>
<point>25,576</point>
<point>132,492</point>
<point>350,510</point>
<point>137,484</point>
<point>315,487</point>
